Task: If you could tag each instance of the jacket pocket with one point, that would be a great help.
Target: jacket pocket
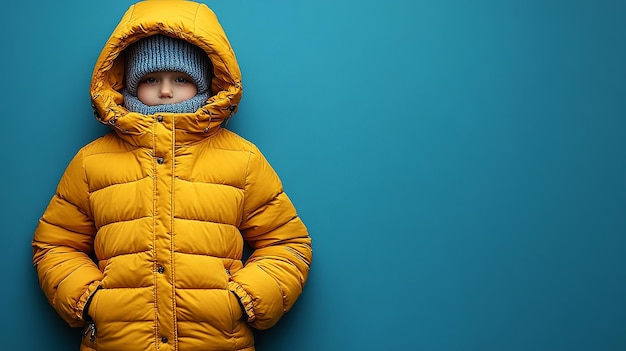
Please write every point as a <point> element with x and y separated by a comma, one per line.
<point>236,309</point>
<point>235,306</point>
<point>90,331</point>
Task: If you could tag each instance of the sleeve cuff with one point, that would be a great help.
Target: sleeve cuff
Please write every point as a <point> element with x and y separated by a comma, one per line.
<point>246,300</point>
<point>85,299</point>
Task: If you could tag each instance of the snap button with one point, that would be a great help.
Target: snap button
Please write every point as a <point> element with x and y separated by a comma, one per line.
<point>164,340</point>
<point>160,119</point>
<point>160,269</point>
<point>160,160</point>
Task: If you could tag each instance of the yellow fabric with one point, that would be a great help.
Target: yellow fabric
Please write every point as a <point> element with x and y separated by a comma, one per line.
<point>163,205</point>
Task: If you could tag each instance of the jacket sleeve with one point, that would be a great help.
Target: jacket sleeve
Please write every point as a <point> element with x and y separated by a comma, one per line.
<point>62,243</point>
<point>276,271</point>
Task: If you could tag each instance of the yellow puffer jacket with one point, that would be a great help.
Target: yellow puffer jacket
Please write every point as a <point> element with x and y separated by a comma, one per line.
<point>148,222</point>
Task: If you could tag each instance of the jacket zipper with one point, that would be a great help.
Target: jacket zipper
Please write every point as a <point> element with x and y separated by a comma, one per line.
<point>91,328</point>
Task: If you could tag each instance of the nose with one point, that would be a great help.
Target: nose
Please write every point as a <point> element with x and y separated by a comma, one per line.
<point>165,90</point>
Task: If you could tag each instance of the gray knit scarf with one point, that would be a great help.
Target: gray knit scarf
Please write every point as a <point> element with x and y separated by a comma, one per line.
<point>133,104</point>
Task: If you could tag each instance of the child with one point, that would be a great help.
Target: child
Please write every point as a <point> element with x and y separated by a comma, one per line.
<point>164,202</point>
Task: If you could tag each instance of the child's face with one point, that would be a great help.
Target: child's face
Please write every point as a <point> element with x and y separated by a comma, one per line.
<point>165,87</point>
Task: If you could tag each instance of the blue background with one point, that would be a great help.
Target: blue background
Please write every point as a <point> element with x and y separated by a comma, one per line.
<point>461,165</point>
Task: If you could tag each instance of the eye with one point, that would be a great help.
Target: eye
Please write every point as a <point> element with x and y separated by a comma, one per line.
<point>182,80</point>
<point>149,80</point>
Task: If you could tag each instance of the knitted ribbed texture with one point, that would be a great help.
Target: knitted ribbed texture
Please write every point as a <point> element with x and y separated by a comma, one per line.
<point>162,53</point>
<point>132,103</point>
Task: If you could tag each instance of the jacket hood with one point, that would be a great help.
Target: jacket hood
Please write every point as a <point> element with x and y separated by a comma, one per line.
<point>187,20</point>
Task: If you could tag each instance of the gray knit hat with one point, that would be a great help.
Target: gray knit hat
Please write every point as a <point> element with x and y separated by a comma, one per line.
<point>162,53</point>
